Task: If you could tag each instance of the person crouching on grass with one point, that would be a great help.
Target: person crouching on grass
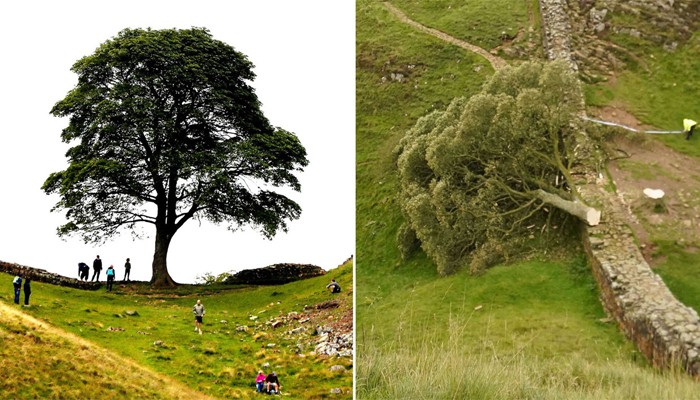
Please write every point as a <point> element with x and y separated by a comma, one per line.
<point>199,312</point>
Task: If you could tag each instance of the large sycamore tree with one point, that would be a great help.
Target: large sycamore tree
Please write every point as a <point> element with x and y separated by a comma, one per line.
<point>165,127</point>
<point>494,169</point>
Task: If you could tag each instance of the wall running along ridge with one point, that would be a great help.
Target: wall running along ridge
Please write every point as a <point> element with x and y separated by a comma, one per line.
<point>666,331</point>
<point>40,275</point>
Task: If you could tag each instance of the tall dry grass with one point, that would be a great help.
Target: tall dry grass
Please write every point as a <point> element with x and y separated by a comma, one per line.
<point>458,369</point>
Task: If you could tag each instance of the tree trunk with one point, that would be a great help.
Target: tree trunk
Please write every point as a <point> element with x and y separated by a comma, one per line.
<point>161,277</point>
<point>589,215</point>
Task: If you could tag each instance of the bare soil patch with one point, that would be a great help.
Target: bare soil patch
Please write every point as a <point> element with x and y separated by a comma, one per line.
<point>641,162</point>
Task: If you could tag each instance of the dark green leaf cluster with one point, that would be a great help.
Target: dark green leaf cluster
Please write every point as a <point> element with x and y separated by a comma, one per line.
<point>469,174</point>
<point>166,127</point>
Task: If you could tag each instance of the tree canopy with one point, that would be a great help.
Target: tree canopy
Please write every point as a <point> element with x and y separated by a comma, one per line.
<point>165,128</point>
<point>480,176</point>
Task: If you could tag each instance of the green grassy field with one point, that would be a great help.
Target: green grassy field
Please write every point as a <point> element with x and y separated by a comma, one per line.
<point>661,93</point>
<point>531,330</point>
<point>487,20</point>
<point>222,362</point>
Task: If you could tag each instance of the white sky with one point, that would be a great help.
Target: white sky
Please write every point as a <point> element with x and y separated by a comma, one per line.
<point>303,52</point>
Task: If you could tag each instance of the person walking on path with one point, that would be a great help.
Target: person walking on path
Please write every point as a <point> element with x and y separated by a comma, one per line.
<point>17,283</point>
<point>110,277</point>
<point>97,266</point>
<point>335,288</point>
<point>27,291</point>
<point>199,312</point>
<point>127,271</point>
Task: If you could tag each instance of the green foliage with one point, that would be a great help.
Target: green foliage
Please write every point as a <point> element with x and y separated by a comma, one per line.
<point>469,174</point>
<point>407,240</point>
<point>208,278</point>
<point>435,73</point>
<point>166,128</point>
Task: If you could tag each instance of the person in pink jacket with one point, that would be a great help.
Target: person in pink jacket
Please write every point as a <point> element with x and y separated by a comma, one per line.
<point>260,381</point>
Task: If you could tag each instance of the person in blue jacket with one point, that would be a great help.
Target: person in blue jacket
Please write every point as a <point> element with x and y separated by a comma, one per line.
<point>110,277</point>
<point>17,283</point>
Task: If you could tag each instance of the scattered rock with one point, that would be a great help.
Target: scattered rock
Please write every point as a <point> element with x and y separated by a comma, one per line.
<point>132,313</point>
<point>158,343</point>
<point>337,368</point>
<point>277,324</point>
<point>114,329</point>
<point>327,304</point>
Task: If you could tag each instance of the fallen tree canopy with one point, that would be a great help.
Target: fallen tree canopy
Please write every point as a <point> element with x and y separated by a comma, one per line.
<point>482,176</point>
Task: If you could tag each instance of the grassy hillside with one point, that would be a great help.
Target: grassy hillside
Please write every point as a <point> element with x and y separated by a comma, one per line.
<point>39,361</point>
<point>221,363</point>
<point>531,330</point>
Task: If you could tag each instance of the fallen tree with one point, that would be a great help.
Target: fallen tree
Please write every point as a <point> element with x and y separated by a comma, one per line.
<point>493,169</point>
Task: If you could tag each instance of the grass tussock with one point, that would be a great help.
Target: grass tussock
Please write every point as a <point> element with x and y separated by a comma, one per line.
<point>457,368</point>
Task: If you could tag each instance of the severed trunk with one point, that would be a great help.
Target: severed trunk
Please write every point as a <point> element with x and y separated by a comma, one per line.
<point>161,277</point>
<point>589,215</point>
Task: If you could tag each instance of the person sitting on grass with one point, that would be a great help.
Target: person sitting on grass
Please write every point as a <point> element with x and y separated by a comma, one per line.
<point>259,382</point>
<point>273,384</point>
<point>335,288</point>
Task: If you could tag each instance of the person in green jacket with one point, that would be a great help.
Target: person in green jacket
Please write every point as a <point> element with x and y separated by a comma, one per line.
<point>688,127</point>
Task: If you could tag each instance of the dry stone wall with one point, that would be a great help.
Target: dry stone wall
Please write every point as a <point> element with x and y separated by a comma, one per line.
<point>40,275</point>
<point>666,331</point>
<point>277,274</point>
<point>598,24</point>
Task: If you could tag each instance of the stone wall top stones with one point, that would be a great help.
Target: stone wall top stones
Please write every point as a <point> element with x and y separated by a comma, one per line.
<point>40,275</point>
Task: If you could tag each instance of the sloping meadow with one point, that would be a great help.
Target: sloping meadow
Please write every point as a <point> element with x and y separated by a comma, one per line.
<point>155,330</point>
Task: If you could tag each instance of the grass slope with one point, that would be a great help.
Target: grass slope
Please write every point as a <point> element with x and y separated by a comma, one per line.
<point>525,331</point>
<point>38,361</point>
<point>222,362</point>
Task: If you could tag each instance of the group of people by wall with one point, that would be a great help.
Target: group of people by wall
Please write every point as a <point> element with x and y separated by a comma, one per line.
<point>84,272</point>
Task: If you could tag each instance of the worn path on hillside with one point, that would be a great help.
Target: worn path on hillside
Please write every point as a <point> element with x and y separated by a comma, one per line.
<point>163,384</point>
<point>496,62</point>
